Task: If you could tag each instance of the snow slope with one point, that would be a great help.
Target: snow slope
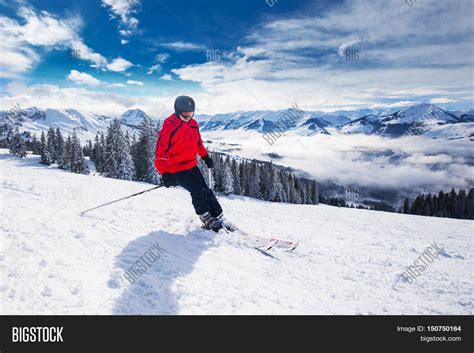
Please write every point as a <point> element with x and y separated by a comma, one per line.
<point>55,261</point>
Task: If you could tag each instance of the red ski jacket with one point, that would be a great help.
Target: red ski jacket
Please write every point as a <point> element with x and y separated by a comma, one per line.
<point>177,145</point>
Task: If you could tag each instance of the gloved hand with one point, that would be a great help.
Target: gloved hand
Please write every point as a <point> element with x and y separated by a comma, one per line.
<point>208,161</point>
<point>168,180</point>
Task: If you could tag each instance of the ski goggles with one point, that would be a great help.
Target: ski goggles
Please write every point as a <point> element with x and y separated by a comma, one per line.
<point>187,115</point>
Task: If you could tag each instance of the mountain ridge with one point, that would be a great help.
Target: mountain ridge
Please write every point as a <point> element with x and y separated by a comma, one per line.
<point>419,119</point>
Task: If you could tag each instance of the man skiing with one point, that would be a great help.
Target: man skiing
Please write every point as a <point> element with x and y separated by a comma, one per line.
<point>175,159</point>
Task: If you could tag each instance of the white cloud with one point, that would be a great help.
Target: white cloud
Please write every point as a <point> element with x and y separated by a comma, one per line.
<point>123,41</point>
<point>124,9</point>
<point>166,77</point>
<point>81,98</point>
<point>297,59</point>
<point>16,60</point>
<point>300,59</point>
<point>85,53</point>
<point>427,165</point>
<point>119,65</point>
<point>115,85</point>
<point>20,40</point>
<point>136,83</point>
<point>162,57</point>
<point>346,45</point>
<point>154,68</point>
<point>183,46</point>
<point>441,100</point>
<point>83,78</point>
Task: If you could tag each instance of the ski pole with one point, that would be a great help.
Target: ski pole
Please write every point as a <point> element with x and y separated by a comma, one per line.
<point>123,198</point>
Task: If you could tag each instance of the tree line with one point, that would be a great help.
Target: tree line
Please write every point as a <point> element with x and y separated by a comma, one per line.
<point>52,148</point>
<point>260,180</point>
<point>445,204</point>
<point>117,154</point>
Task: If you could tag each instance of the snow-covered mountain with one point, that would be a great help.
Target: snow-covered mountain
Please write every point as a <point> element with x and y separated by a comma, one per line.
<point>87,124</point>
<point>133,117</point>
<point>348,261</point>
<point>421,119</point>
<point>306,123</point>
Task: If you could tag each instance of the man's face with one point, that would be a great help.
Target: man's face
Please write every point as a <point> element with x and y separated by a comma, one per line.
<point>186,116</point>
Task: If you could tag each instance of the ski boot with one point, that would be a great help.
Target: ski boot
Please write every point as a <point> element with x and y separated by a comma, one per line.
<point>211,223</point>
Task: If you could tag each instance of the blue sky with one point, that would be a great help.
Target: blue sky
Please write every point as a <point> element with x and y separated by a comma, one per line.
<point>112,55</point>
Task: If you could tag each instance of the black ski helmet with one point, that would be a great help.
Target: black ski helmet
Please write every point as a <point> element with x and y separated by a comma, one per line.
<point>183,104</point>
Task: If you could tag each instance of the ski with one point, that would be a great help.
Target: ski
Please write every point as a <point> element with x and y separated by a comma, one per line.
<point>261,243</point>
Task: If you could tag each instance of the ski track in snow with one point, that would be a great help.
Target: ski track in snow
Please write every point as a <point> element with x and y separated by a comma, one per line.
<point>349,261</point>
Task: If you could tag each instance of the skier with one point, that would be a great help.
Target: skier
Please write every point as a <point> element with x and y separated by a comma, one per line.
<point>175,159</point>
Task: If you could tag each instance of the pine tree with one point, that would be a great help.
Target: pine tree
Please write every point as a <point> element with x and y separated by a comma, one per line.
<point>98,152</point>
<point>45,155</point>
<point>143,152</point>
<point>406,206</point>
<point>59,147</point>
<point>276,189</point>
<point>50,144</point>
<point>286,186</point>
<point>434,206</point>
<point>87,149</point>
<point>218,172</point>
<point>470,204</point>
<point>236,176</point>
<point>315,193</point>
<point>67,155</point>
<point>93,156</point>
<point>266,174</point>
<point>77,160</point>
<point>126,169</point>
<point>110,152</point>
<point>451,203</point>
<point>245,178</point>
<point>460,207</point>
<point>294,194</point>
<point>35,145</point>
<point>17,145</point>
<point>227,179</point>
<point>117,159</point>
<point>254,182</point>
<point>442,204</point>
<point>308,190</point>
<point>427,205</point>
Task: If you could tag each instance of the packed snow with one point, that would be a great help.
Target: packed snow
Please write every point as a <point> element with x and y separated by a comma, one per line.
<point>349,261</point>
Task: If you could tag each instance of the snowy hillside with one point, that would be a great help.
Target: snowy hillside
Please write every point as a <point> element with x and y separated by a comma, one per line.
<point>55,261</point>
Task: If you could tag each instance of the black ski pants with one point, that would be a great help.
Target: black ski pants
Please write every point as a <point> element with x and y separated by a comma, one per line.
<point>203,198</point>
